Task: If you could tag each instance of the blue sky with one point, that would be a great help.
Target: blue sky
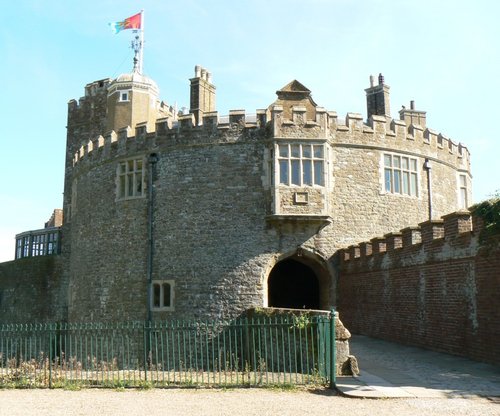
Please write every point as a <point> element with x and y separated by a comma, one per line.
<point>443,54</point>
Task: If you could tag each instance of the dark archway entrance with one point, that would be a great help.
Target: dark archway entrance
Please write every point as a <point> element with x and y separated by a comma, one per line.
<point>292,284</point>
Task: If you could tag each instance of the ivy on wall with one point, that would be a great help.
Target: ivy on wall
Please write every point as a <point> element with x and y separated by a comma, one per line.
<point>489,211</point>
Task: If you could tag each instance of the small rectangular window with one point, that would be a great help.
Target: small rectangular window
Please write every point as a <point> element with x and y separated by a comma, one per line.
<point>124,95</point>
<point>462,192</point>
<point>162,298</point>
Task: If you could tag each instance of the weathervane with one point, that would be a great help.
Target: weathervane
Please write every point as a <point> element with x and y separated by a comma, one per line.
<point>137,46</point>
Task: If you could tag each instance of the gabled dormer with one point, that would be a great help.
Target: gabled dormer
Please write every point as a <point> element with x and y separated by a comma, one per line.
<point>295,94</point>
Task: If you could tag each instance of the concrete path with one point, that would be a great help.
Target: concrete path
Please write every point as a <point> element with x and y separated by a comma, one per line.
<point>392,370</point>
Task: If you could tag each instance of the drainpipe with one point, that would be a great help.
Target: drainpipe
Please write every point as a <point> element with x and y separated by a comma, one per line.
<point>427,167</point>
<point>153,158</point>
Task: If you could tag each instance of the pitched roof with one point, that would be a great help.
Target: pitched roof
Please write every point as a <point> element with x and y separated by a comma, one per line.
<point>294,86</point>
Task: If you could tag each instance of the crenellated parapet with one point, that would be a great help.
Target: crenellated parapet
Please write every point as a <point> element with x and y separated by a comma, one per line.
<point>294,115</point>
<point>380,132</point>
<point>167,133</point>
<point>453,235</point>
<point>299,125</point>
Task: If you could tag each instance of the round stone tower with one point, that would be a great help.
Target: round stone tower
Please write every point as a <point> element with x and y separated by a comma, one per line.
<point>201,216</point>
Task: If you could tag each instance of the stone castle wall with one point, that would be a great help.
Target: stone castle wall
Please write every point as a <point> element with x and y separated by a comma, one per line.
<point>433,286</point>
<point>220,218</point>
<point>33,290</point>
<point>221,223</point>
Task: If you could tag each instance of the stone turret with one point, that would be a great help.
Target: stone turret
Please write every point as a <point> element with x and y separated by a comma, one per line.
<point>132,99</point>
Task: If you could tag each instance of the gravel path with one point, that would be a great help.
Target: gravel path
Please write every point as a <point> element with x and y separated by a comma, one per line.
<point>258,402</point>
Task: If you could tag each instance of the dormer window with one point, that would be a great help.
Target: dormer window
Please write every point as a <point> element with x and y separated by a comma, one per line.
<point>124,95</point>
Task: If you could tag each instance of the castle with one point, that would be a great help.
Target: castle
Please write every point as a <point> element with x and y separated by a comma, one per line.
<point>198,215</point>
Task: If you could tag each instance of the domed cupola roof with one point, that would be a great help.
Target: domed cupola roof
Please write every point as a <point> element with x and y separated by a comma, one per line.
<point>133,80</point>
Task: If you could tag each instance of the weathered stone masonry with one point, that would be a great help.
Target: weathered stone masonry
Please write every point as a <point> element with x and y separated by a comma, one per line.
<point>211,207</point>
<point>221,219</point>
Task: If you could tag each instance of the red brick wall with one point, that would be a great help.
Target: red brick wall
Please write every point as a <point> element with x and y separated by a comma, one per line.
<point>442,293</point>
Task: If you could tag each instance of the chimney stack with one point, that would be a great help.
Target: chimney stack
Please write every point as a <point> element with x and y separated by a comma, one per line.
<point>202,99</point>
<point>377,98</point>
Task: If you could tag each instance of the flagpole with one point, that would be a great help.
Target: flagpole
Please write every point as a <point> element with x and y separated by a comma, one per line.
<point>141,54</point>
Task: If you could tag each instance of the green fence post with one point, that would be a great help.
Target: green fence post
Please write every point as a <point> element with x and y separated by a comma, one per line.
<point>333,358</point>
<point>146,348</point>
<point>51,354</point>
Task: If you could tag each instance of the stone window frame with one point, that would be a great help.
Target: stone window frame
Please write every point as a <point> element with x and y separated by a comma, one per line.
<point>158,303</point>
<point>395,172</point>
<point>124,96</point>
<point>291,157</point>
<point>130,179</point>
<point>463,191</point>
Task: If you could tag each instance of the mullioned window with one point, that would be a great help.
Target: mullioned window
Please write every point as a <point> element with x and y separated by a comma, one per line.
<point>400,174</point>
<point>130,179</point>
<point>301,164</point>
<point>162,298</point>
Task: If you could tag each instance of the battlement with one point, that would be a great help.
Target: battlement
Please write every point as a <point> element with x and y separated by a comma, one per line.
<point>182,131</point>
<point>294,115</point>
<point>443,238</point>
<point>93,89</point>
<point>380,131</point>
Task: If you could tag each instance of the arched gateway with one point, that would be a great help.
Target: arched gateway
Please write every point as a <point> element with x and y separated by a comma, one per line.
<point>298,283</point>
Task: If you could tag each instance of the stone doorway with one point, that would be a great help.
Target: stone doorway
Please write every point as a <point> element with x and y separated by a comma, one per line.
<point>293,284</point>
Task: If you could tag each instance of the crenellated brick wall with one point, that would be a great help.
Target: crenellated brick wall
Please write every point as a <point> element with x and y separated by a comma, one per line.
<point>433,286</point>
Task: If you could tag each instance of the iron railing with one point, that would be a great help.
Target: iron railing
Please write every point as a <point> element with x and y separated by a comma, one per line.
<point>279,350</point>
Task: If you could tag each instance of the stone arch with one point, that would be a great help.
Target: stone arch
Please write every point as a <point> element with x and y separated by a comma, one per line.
<point>301,280</point>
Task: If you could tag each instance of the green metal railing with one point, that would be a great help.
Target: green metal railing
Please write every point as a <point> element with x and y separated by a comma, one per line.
<point>277,350</point>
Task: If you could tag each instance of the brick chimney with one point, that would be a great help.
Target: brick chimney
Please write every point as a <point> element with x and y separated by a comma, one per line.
<point>377,98</point>
<point>202,98</point>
